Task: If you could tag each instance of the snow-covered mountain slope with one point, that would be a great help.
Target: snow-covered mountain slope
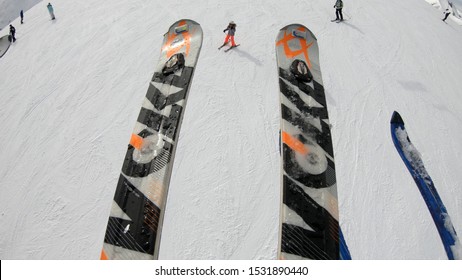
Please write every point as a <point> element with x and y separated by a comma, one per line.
<point>454,7</point>
<point>9,10</point>
<point>71,91</point>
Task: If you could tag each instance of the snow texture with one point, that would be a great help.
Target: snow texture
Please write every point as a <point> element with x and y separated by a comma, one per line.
<point>10,9</point>
<point>71,90</point>
<point>457,247</point>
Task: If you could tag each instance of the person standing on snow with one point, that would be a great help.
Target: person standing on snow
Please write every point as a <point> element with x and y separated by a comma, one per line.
<point>338,10</point>
<point>21,14</point>
<point>12,32</point>
<point>50,10</point>
<point>446,14</point>
<point>230,36</point>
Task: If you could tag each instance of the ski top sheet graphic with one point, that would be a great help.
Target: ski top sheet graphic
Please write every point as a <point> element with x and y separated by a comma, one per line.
<point>4,45</point>
<point>135,223</point>
<point>344,251</point>
<point>309,214</point>
<point>413,161</point>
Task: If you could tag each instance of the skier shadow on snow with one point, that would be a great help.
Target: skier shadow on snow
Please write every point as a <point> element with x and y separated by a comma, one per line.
<point>419,87</point>
<point>329,99</point>
<point>248,56</point>
<point>352,26</point>
<point>413,86</point>
<point>451,26</point>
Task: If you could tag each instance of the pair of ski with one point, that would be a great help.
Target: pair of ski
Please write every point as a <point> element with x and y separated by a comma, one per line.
<point>228,49</point>
<point>309,215</point>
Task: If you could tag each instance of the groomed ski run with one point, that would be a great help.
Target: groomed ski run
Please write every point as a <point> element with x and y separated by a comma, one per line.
<point>71,96</point>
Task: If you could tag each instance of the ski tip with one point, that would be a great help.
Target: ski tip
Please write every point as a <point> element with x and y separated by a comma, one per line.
<point>185,21</point>
<point>396,118</point>
<point>103,255</point>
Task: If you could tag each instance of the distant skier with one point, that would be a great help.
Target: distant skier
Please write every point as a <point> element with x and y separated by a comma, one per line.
<point>230,36</point>
<point>50,10</point>
<point>21,14</point>
<point>12,38</point>
<point>446,14</point>
<point>338,10</point>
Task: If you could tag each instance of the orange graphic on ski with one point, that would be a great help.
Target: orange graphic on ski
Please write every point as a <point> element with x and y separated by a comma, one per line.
<point>293,53</point>
<point>103,256</point>
<point>295,144</point>
<point>171,48</point>
<point>136,141</point>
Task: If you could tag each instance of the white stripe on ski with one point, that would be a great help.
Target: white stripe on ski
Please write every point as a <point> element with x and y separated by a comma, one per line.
<point>293,218</point>
<point>305,97</point>
<point>326,197</point>
<point>119,253</point>
<point>117,212</point>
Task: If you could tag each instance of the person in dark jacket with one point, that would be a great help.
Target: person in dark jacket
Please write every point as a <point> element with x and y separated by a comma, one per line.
<point>21,14</point>
<point>338,10</point>
<point>230,36</point>
<point>446,14</point>
<point>12,33</point>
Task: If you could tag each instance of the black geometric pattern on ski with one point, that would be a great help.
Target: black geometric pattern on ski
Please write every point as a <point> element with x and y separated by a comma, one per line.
<point>309,218</point>
<point>138,233</point>
<point>135,222</point>
<point>301,241</point>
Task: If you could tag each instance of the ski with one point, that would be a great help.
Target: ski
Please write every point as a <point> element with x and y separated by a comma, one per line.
<point>135,223</point>
<point>344,251</point>
<point>309,226</point>
<point>4,45</point>
<point>220,47</point>
<point>232,47</point>
<point>413,161</point>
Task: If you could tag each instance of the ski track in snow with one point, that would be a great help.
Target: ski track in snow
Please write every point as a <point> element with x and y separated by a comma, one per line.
<point>72,90</point>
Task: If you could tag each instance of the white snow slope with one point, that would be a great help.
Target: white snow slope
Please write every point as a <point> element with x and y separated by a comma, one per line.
<point>10,9</point>
<point>71,91</point>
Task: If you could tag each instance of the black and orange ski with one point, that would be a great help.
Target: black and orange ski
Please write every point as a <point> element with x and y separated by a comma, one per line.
<point>135,223</point>
<point>309,226</point>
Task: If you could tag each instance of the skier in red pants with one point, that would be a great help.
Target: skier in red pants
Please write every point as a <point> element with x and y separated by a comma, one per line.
<point>230,36</point>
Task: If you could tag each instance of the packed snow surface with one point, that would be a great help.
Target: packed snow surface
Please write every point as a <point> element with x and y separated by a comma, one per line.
<point>10,9</point>
<point>71,91</point>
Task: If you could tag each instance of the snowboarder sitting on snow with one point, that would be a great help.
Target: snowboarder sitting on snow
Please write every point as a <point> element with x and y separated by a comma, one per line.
<point>51,11</point>
<point>446,14</point>
<point>338,10</point>
<point>230,36</point>
<point>12,32</point>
